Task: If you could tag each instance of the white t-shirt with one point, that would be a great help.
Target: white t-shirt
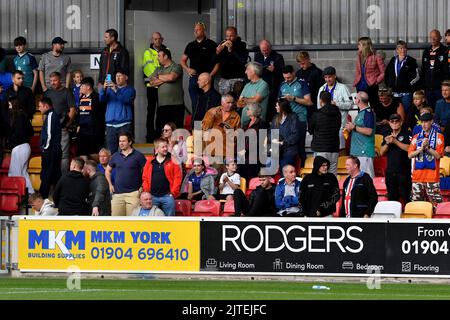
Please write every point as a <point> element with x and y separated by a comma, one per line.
<point>235,178</point>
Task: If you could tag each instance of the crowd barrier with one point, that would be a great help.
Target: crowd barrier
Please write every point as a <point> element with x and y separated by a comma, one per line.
<point>241,246</point>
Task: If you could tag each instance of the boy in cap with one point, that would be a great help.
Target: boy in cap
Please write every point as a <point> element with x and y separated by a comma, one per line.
<point>426,148</point>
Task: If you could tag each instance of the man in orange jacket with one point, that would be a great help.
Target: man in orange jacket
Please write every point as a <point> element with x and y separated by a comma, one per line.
<point>162,178</point>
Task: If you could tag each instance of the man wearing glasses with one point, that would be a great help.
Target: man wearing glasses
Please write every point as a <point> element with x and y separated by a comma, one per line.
<point>398,170</point>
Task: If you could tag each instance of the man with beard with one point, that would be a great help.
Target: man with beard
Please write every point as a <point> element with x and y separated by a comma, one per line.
<point>55,61</point>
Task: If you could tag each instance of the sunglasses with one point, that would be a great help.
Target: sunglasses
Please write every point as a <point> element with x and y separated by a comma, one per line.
<point>166,130</point>
<point>394,121</point>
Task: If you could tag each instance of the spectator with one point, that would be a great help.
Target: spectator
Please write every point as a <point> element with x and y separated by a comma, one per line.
<point>50,145</point>
<point>447,41</point>
<point>198,183</point>
<point>369,70</point>
<point>426,148</point>
<point>297,93</point>
<point>418,128</point>
<point>251,167</point>
<point>319,191</point>
<point>272,65</point>
<point>287,194</point>
<point>398,170</point>
<point>24,94</point>
<point>77,79</point>
<point>442,115</point>
<point>55,61</point>
<point>261,202</point>
<point>340,96</point>
<point>325,126</point>
<point>177,146</point>
<point>201,54</point>
<point>222,118</point>
<point>289,133</point>
<point>208,97</point>
<point>90,120</point>
<point>162,178</point>
<point>363,134</point>
<point>386,107</point>
<point>402,75</point>
<point>19,134</point>
<point>229,181</point>
<point>99,198</point>
<point>42,207</point>
<point>414,112</point>
<point>119,98</point>
<point>169,80</point>
<point>232,54</point>
<point>26,62</point>
<point>359,196</point>
<point>64,106</point>
<point>72,190</point>
<point>104,156</point>
<point>310,73</point>
<point>128,163</point>
<point>146,207</point>
<point>434,68</point>
<point>256,91</point>
<point>113,58</point>
<point>149,64</point>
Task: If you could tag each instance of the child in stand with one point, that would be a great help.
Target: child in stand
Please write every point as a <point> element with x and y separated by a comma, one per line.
<point>412,118</point>
<point>77,77</point>
<point>229,181</point>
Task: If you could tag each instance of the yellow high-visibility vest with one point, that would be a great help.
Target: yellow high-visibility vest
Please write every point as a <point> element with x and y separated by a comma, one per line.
<point>150,61</point>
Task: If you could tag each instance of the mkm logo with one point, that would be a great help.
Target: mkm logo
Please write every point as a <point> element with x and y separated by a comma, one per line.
<point>50,239</point>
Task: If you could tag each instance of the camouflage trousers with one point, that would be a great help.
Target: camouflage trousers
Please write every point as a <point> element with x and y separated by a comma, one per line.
<point>227,85</point>
<point>426,191</point>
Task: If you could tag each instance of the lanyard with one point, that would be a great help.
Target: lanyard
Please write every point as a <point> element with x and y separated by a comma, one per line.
<point>399,65</point>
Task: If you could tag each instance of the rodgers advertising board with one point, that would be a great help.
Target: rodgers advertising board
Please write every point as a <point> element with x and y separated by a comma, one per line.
<point>109,245</point>
<point>293,247</point>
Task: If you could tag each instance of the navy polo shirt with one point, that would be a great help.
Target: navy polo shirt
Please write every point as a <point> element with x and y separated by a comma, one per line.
<point>128,171</point>
<point>160,183</point>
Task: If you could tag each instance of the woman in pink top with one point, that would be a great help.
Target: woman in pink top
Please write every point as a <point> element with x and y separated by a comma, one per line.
<point>369,70</point>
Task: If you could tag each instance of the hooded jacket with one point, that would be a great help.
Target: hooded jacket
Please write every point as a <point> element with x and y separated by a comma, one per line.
<point>319,193</point>
<point>325,125</point>
<point>99,195</point>
<point>47,209</point>
<point>71,193</point>
<point>206,184</point>
<point>120,104</point>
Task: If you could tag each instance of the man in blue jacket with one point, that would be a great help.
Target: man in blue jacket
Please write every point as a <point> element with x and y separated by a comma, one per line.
<point>119,98</point>
<point>287,194</point>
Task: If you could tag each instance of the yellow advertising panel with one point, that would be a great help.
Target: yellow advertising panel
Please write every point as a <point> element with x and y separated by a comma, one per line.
<point>109,245</point>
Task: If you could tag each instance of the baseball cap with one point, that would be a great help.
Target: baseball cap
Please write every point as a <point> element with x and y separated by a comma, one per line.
<point>59,40</point>
<point>329,71</point>
<point>395,116</point>
<point>426,117</point>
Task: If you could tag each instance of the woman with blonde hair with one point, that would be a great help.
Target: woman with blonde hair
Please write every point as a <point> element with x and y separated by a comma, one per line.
<point>369,70</point>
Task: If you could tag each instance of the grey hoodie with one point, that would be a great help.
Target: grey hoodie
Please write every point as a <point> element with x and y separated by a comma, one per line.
<point>206,185</point>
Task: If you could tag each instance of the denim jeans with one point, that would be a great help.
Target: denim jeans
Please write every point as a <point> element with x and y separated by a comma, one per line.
<point>166,204</point>
<point>406,101</point>
<point>112,136</point>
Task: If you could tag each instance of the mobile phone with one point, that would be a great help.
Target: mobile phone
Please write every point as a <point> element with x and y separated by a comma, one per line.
<point>108,79</point>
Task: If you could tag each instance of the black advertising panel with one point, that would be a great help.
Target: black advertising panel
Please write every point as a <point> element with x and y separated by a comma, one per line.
<point>418,248</point>
<point>304,247</point>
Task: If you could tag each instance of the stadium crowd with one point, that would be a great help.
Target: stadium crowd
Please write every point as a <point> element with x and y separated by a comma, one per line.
<point>90,167</point>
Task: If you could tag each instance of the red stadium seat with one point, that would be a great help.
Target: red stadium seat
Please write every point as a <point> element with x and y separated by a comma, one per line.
<point>35,146</point>
<point>380,186</point>
<point>228,209</point>
<point>187,122</point>
<point>206,208</point>
<point>379,164</point>
<point>4,168</point>
<point>183,207</point>
<point>13,193</point>
<point>442,211</point>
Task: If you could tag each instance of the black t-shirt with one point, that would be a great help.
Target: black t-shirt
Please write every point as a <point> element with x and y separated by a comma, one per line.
<point>160,184</point>
<point>202,55</point>
<point>397,159</point>
<point>313,76</point>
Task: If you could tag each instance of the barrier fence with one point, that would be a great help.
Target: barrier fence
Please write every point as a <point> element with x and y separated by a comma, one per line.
<point>244,246</point>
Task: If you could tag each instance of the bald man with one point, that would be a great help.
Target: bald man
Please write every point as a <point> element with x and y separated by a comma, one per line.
<point>207,99</point>
<point>363,134</point>
<point>149,64</point>
<point>434,68</point>
<point>273,64</point>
